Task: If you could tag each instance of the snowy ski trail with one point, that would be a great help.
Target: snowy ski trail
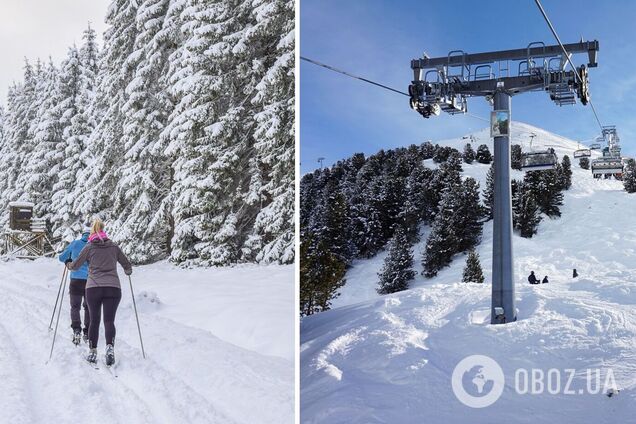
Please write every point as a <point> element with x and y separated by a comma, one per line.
<point>189,376</point>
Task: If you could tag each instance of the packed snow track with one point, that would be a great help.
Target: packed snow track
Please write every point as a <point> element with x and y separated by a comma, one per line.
<point>190,375</point>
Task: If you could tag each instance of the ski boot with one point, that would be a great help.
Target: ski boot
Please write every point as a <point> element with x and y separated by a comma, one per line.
<point>92,356</point>
<point>85,336</point>
<point>77,337</point>
<point>110,355</point>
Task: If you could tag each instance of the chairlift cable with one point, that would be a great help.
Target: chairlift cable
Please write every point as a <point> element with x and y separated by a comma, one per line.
<point>545,16</point>
<point>340,71</point>
<point>331,68</point>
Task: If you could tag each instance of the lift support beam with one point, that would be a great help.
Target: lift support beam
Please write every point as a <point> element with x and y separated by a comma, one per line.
<point>591,47</point>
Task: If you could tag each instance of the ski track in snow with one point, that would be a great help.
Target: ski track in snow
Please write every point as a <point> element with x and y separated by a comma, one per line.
<point>190,376</point>
<point>401,348</point>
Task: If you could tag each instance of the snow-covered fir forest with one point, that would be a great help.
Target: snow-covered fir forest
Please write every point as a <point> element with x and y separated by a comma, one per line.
<point>363,205</point>
<point>178,131</point>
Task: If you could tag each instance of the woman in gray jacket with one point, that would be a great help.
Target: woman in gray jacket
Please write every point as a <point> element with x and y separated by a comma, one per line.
<point>102,287</point>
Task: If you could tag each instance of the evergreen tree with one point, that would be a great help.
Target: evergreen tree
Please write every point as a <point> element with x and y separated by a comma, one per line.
<point>397,270</point>
<point>515,157</point>
<point>142,225</point>
<point>629,176</point>
<point>546,189</point>
<point>483,154</point>
<point>443,153</point>
<point>489,193</point>
<point>457,226</point>
<point>584,163</point>
<point>428,150</point>
<point>469,220</point>
<point>273,231</point>
<point>526,215</point>
<point>321,276</point>
<point>469,153</point>
<point>472,271</point>
<point>565,175</point>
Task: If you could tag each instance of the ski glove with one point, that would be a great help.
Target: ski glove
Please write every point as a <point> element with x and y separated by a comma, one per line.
<point>68,261</point>
<point>128,272</point>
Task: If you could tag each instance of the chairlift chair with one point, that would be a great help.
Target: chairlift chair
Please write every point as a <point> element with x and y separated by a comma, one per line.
<point>607,166</point>
<point>539,160</point>
<point>595,146</point>
<point>582,153</point>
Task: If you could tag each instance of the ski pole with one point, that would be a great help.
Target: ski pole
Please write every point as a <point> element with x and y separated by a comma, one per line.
<point>58,297</point>
<point>57,322</point>
<point>137,317</point>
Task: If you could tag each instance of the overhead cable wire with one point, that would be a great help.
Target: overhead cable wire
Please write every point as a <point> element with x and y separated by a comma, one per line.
<point>331,68</point>
<point>340,71</point>
<point>567,56</point>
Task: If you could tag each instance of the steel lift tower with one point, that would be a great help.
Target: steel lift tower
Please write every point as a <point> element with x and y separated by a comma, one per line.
<point>445,83</point>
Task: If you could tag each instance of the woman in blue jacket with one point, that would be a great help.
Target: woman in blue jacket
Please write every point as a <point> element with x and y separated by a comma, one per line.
<point>77,288</point>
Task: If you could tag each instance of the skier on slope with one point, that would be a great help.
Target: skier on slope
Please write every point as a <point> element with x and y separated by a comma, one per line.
<point>532,279</point>
<point>77,287</point>
<point>102,288</point>
<point>545,280</point>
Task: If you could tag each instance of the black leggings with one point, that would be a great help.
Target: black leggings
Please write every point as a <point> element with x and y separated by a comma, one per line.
<point>77,290</point>
<point>109,297</point>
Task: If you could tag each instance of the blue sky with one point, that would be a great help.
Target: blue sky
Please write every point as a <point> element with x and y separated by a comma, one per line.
<point>377,39</point>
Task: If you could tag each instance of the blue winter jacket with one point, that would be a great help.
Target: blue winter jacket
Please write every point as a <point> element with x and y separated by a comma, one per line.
<point>72,251</point>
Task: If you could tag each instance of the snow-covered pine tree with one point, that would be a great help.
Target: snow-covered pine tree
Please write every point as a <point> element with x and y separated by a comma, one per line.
<point>515,157</point>
<point>546,190</point>
<point>584,163</point>
<point>321,276</point>
<point>443,153</point>
<point>457,226</point>
<point>96,183</point>
<point>371,239</point>
<point>469,153</point>
<point>21,115</point>
<point>525,210</point>
<point>468,219</point>
<point>443,239</point>
<point>141,224</point>
<point>70,147</point>
<point>428,150</point>
<point>566,173</point>
<point>629,176</point>
<point>416,207</point>
<point>272,166</point>
<point>397,270</point>
<point>483,154</point>
<point>472,270</point>
<point>489,193</point>
<point>335,232</point>
<point>45,161</point>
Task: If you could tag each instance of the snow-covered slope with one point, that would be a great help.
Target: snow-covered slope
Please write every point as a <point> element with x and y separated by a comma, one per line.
<point>389,359</point>
<point>219,346</point>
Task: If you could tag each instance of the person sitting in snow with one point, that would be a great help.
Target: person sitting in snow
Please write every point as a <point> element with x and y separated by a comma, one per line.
<point>574,273</point>
<point>77,287</point>
<point>545,280</point>
<point>532,279</point>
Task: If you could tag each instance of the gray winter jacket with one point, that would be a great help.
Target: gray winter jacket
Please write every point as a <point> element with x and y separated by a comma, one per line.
<point>102,257</point>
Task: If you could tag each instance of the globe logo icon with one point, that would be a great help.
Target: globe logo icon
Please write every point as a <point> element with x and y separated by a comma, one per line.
<point>478,381</point>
